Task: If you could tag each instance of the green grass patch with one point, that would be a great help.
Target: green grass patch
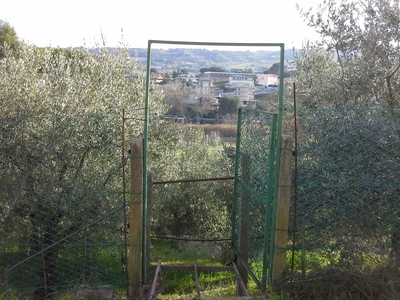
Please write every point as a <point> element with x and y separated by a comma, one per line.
<point>223,130</point>
<point>171,253</point>
<point>179,284</point>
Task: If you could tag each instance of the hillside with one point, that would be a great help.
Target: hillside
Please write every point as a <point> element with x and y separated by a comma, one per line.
<point>195,59</point>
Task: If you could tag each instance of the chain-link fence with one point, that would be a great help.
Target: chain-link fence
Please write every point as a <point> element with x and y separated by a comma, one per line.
<point>346,207</point>
<point>62,221</point>
<point>192,202</point>
<point>253,212</point>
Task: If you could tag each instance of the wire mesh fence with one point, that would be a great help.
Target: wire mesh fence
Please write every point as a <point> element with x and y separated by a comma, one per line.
<point>62,216</point>
<point>62,205</point>
<point>195,215</point>
<point>346,210</point>
<point>253,214</point>
<point>191,225</point>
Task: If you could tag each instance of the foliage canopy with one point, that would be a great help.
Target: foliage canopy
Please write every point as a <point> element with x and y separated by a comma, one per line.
<point>356,62</point>
<point>8,38</point>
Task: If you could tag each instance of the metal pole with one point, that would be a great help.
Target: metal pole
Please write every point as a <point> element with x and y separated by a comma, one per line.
<point>269,226</point>
<point>124,194</point>
<point>145,150</point>
<point>148,226</point>
<point>295,195</point>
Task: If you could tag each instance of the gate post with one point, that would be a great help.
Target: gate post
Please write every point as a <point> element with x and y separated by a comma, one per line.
<point>282,209</point>
<point>135,288</point>
<point>244,225</point>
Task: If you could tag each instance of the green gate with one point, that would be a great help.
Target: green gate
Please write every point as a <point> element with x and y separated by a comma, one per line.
<point>256,174</point>
<point>255,190</point>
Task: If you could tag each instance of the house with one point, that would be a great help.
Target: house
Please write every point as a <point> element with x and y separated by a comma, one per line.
<point>217,76</point>
<point>243,86</point>
<point>267,79</point>
<point>156,77</point>
<point>188,78</point>
<point>205,85</point>
<point>210,104</point>
<point>240,85</point>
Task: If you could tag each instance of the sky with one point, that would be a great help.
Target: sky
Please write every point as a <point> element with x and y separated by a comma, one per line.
<point>75,23</point>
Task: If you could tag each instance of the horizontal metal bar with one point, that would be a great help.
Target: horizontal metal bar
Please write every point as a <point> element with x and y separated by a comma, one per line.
<point>190,268</point>
<point>215,43</point>
<point>189,239</point>
<point>259,111</point>
<point>193,180</point>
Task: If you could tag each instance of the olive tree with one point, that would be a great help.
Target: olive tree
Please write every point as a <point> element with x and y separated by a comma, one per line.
<point>194,210</point>
<point>357,56</point>
<point>60,153</point>
<point>348,156</point>
<point>8,38</point>
<point>348,185</point>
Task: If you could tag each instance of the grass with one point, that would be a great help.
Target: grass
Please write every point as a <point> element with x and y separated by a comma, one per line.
<point>323,279</point>
<point>224,130</point>
<point>181,284</point>
<point>322,275</point>
<point>171,253</point>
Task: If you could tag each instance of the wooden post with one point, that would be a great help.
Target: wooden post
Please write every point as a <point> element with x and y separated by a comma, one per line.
<point>283,204</point>
<point>244,225</point>
<point>196,278</point>
<point>135,289</point>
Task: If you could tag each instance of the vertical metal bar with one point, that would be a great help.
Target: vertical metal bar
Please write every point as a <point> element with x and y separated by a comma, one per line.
<point>278,128</point>
<point>303,250</point>
<point>124,196</point>
<point>149,214</point>
<point>267,255</point>
<point>295,175</point>
<point>145,149</point>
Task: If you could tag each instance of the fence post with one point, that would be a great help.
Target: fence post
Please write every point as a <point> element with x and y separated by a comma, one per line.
<point>244,224</point>
<point>283,204</point>
<point>135,288</point>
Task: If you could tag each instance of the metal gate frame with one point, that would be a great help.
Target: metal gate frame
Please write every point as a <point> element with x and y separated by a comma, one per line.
<point>274,165</point>
<point>255,193</point>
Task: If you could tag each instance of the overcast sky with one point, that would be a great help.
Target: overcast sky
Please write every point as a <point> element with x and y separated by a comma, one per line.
<point>80,22</point>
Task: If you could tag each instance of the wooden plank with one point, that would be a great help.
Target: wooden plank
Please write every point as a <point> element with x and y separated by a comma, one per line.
<point>282,209</point>
<point>241,284</point>
<point>196,277</point>
<point>157,278</point>
<point>244,221</point>
<point>134,267</point>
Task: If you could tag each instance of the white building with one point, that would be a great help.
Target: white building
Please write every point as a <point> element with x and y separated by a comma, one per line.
<point>243,86</point>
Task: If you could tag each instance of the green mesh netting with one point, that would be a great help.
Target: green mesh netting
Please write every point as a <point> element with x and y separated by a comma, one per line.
<point>348,211</point>
<point>253,207</point>
<point>62,208</point>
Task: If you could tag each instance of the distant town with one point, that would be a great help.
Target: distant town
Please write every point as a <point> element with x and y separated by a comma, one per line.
<point>196,97</point>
